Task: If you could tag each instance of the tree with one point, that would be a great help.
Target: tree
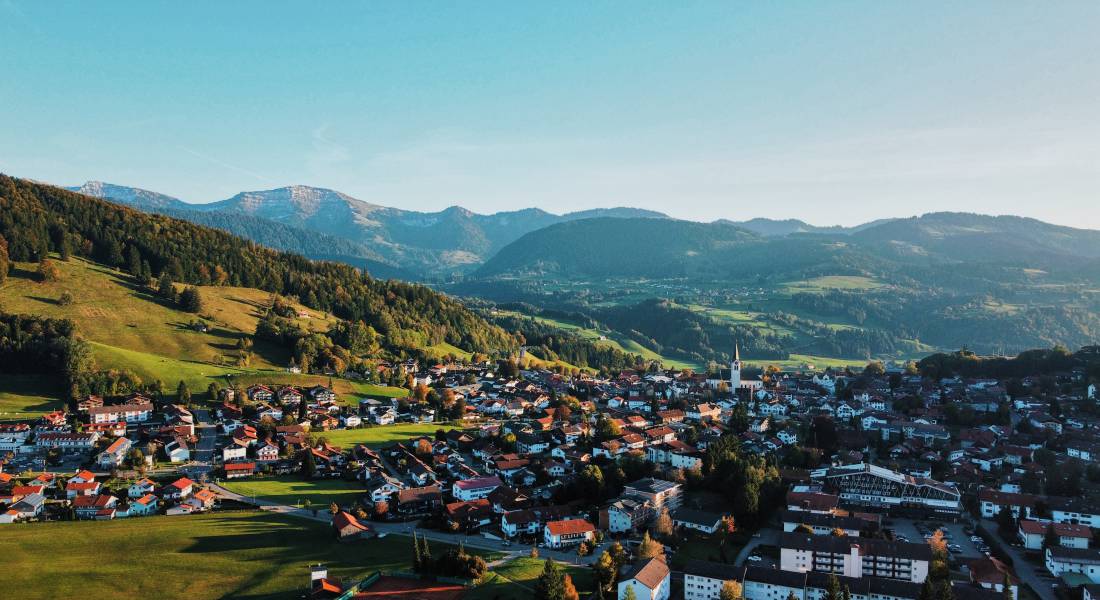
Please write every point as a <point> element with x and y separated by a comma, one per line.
<point>418,563</point>
<point>190,300</point>
<point>927,592</point>
<point>165,289</point>
<point>650,548</point>
<point>629,593</point>
<point>551,582</point>
<point>731,590</point>
<point>838,532</point>
<point>945,592</point>
<point>569,591</point>
<point>662,525</point>
<point>1006,521</point>
<point>832,588</point>
<point>183,393</point>
<point>5,262</point>
<point>1050,538</point>
<point>66,299</point>
<point>804,528</point>
<point>606,570</point>
<point>48,271</point>
<point>309,464</point>
<point>425,553</point>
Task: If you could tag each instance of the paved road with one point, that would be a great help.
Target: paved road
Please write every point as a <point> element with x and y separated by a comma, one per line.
<point>477,541</point>
<point>202,460</point>
<point>1025,570</point>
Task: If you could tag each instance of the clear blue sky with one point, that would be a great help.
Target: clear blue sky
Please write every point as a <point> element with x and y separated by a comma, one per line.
<point>833,112</point>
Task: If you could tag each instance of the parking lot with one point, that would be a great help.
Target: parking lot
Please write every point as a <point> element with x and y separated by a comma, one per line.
<point>917,532</point>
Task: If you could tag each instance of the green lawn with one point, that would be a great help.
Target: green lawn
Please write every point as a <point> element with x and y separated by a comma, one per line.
<point>515,580</point>
<point>28,396</point>
<point>380,435</point>
<point>293,491</point>
<point>833,282</point>
<point>253,555</point>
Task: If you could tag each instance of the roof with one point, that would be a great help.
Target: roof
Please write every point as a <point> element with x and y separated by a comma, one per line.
<point>844,545</point>
<point>241,466</point>
<point>696,517</point>
<point>1060,529</point>
<point>569,526</point>
<point>478,483</point>
<point>649,573</point>
<point>181,483</point>
<point>713,570</point>
<point>117,408</point>
<point>649,485</point>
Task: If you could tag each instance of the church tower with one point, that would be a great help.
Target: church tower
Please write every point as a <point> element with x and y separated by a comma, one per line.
<point>735,369</point>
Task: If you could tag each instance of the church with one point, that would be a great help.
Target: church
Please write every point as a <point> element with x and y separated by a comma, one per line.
<point>732,376</point>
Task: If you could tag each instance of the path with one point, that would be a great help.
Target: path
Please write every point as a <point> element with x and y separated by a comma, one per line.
<point>1025,570</point>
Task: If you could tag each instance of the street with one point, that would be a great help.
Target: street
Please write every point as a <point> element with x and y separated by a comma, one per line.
<point>1025,570</point>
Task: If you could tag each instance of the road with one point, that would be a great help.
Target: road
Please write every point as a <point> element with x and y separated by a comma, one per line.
<point>202,459</point>
<point>1025,570</point>
<point>476,541</point>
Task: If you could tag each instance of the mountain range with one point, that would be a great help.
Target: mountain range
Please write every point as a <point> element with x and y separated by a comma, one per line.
<point>387,241</point>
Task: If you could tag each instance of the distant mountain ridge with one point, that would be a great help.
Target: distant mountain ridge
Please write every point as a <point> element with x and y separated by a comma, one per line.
<point>418,244</point>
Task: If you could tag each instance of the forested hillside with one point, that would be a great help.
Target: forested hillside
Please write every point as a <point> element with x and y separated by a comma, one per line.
<point>36,219</point>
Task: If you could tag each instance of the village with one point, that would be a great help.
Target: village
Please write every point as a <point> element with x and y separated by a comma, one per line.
<point>886,483</point>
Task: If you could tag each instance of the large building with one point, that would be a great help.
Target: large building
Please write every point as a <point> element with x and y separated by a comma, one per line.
<point>659,493</point>
<point>854,557</point>
<point>874,487</point>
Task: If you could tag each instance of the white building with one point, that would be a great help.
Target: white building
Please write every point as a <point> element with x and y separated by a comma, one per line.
<point>474,489</point>
<point>1073,560</point>
<point>568,532</point>
<point>650,580</point>
<point>859,557</point>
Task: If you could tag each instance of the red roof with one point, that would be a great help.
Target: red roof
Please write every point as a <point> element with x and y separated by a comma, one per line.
<point>182,483</point>
<point>243,466</point>
<point>1060,529</point>
<point>570,526</point>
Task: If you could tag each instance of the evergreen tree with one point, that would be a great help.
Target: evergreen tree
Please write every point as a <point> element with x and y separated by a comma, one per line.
<point>426,554</point>
<point>5,262</point>
<point>417,560</point>
<point>309,464</point>
<point>551,583</point>
<point>133,262</point>
<point>165,288</point>
<point>832,588</point>
<point>946,592</point>
<point>183,393</point>
<point>629,594</point>
<point>650,548</point>
<point>190,300</point>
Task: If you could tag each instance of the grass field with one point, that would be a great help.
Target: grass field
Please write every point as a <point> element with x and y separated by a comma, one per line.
<point>833,282</point>
<point>515,580</point>
<point>292,491</point>
<point>252,555</point>
<point>27,396</point>
<point>109,308</point>
<point>380,435</point>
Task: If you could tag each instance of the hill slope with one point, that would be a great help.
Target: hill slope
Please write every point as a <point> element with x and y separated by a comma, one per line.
<point>36,219</point>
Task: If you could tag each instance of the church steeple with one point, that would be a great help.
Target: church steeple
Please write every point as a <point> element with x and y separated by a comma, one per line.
<point>735,369</point>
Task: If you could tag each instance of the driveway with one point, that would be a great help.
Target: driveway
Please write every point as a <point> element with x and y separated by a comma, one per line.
<point>1025,570</point>
<point>768,537</point>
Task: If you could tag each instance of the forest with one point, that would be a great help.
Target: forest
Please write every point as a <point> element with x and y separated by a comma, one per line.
<point>37,219</point>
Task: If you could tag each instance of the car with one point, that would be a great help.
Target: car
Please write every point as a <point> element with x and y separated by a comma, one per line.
<point>755,558</point>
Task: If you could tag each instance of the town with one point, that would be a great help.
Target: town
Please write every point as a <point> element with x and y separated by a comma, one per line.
<point>878,484</point>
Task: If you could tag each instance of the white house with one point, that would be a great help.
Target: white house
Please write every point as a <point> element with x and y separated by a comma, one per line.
<point>474,489</point>
<point>649,580</point>
<point>1032,534</point>
<point>114,454</point>
<point>703,579</point>
<point>1061,560</point>
<point>234,452</point>
<point>568,532</point>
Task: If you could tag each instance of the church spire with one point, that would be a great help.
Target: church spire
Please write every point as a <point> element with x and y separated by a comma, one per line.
<point>737,351</point>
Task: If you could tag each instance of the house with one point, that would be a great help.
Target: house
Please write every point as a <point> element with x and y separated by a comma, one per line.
<point>202,500</point>
<point>28,507</point>
<point>649,580</point>
<point>1086,561</point>
<point>991,573</point>
<point>267,452</point>
<point>625,514</point>
<point>234,452</point>
<point>177,451</point>
<point>854,557</point>
<point>178,489</point>
<point>698,520</point>
<point>419,500</point>
<point>568,532</point>
<point>348,528</point>
<point>469,515</point>
<point>260,393</point>
<point>100,508</point>
<point>1070,535</point>
<point>238,470</point>
<point>141,487</point>
<point>473,489</point>
<point>381,486</point>
<point>135,412</point>
<point>144,506</point>
<point>383,415</point>
<point>115,454</point>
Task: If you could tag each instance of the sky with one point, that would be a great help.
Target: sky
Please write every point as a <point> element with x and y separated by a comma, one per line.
<point>831,112</point>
